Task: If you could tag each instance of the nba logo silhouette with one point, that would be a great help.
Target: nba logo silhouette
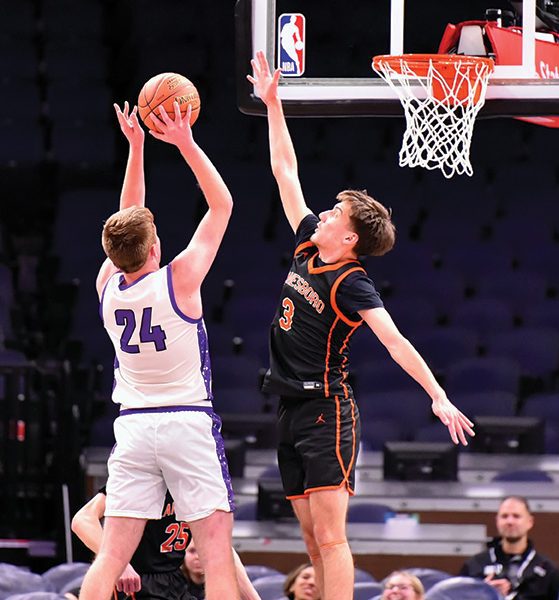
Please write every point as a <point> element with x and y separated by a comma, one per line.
<point>291,44</point>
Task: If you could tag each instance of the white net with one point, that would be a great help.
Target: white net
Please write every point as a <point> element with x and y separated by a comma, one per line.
<point>441,100</point>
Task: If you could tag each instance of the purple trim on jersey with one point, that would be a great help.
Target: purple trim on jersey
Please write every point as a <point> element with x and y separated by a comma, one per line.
<point>122,285</point>
<point>174,300</point>
<point>220,448</point>
<point>166,409</point>
<point>116,366</point>
<point>103,296</point>
<point>205,363</point>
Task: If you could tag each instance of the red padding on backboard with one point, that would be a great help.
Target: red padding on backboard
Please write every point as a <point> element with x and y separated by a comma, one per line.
<point>506,44</point>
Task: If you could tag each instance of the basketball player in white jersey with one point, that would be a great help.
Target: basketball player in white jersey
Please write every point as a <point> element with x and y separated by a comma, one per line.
<point>167,433</point>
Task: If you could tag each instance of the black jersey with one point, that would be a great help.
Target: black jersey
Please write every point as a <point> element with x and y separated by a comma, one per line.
<point>532,576</point>
<point>312,328</point>
<point>163,543</point>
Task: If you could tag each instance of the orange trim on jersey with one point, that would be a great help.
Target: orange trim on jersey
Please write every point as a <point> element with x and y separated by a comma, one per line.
<point>345,373</point>
<point>333,302</point>
<point>327,358</point>
<point>302,247</point>
<point>338,453</point>
<point>316,270</point>
<point>354,445</point>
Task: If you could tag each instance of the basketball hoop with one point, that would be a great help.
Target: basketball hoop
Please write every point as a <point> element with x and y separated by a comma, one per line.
<point>441,95</point>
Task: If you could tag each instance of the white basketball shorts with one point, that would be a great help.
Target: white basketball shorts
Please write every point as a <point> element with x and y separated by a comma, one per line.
<point>174,448</point>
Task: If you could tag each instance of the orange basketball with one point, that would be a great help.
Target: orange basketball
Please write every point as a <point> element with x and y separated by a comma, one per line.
<point>163,90</point>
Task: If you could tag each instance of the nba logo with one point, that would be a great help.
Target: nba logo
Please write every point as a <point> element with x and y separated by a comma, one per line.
<point>291,44</point>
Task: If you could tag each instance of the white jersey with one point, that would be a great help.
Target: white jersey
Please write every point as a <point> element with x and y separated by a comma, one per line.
<point>162,356</point>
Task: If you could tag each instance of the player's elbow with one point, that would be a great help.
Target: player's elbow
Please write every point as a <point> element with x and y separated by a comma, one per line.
<point>394,342</point>
<point>76,524</point>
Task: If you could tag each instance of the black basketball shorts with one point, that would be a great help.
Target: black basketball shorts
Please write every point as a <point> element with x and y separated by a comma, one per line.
<point>170,585</point>
<point>318,444</point>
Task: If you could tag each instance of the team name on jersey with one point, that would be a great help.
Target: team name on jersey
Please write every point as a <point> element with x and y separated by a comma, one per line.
<point>169,509</point>
<point>303,287</point>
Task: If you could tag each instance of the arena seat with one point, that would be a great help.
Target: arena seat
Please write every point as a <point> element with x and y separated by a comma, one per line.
<point>462,588</point>
<point>360,511</point>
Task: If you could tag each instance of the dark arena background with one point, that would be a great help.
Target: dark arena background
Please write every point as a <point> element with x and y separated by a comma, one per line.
<point>473,280</point>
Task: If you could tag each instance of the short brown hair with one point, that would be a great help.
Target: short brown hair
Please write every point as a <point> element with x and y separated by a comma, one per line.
<point>128,236</point>
<point>371,221</point>
<point>520,499</point>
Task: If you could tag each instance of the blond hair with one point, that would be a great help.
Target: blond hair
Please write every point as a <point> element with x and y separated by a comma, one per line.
<point>128,236</point>
<point>371,221</point>
<point>414,581</point>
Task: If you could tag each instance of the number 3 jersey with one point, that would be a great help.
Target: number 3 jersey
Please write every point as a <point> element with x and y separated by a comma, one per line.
<point>316,317</point>
<point>162,356</point>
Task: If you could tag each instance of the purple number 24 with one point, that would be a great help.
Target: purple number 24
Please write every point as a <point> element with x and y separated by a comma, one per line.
<point>148,333</point>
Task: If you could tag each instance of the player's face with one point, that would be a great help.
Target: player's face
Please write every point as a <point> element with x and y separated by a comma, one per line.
<point>304,587</point>
<point>513,520</point>
<point>334,227</point>
<point>399,587</point>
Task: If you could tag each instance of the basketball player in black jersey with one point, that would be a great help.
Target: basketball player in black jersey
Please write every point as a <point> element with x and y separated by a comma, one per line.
<point>155,572</point>
<point>325,298</point>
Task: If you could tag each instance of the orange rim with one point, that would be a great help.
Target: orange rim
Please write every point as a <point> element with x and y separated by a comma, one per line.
<point>419,63</point>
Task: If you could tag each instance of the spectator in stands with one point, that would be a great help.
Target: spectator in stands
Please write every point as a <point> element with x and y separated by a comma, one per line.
<point>400,585</point>
<point>194,572</point>
<point>300,584</point>
<point>511,564</point>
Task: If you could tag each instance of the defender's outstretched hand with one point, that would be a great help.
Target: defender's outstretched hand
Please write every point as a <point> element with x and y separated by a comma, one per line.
<point>457,423</point>
<point>265,83</point>
<point>175,131</point>
<point>129,123</point>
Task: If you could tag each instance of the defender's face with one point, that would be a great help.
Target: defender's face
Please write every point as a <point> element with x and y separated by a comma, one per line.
<point>334,227</point>
<point>513,520</point>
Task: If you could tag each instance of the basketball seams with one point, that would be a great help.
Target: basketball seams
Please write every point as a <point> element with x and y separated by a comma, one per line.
<point>147,106</point>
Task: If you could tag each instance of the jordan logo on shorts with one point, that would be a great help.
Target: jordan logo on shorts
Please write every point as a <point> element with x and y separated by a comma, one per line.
<point>320,419</point>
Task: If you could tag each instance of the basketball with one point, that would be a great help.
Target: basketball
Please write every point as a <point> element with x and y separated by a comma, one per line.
<point>163,90</point>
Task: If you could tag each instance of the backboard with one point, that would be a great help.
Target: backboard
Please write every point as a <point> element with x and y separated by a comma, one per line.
<point>326,51</point>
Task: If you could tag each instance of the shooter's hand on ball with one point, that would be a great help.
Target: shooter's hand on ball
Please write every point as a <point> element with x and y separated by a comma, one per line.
<point>175,131</point>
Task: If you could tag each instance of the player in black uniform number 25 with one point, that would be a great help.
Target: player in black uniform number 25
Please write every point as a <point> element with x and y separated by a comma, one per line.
<point>326,297</point>
<point>154,573</point>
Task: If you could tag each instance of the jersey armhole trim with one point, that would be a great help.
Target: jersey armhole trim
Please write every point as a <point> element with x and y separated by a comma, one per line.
<point>103,294</point>
<point>174,300</point>
<point>333,292</point>
<point>302,246</point>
